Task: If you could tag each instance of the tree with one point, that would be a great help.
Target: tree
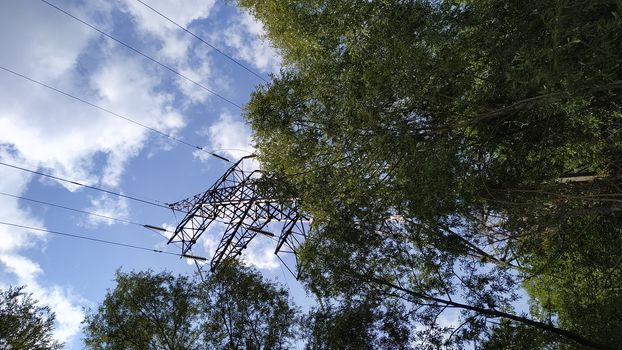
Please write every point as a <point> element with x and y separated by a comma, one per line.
<point>453,150</point>
<point>244,311</point>
<point>358,324</point>
<point>510,336</point>
<point>23,324</point>
<point>146,310</point>
<point>234,309</point>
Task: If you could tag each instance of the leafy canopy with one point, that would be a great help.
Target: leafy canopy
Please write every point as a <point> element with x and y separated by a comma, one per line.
<point>454,152</point>
<point>24,325</point>
<point>234,309</point>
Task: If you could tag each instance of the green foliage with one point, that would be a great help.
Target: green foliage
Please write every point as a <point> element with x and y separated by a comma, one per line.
<point>23,324</point>
<point>510,336</point>
<point>358,324</point>
<point>146,311</point>
<point>456,148</point>
<point>244,311</point>
<point>580,283</point>
<point>234,309</point>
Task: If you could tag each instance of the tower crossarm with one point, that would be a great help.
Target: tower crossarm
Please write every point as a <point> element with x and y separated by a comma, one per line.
<point>230,180</point>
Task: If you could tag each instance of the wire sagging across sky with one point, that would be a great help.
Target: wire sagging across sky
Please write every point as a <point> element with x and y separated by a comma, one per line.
<point>103,241</point>
<point>134,198</point>
<point>160,133</point>
<point>132,48</point>
<point>203,41</point>
<point>147,226</point>
<point>159,230</point>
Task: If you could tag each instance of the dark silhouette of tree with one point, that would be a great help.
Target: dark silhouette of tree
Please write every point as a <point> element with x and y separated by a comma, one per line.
<point>452,153</point>
<point>233,309</point>
<point>24,325</point>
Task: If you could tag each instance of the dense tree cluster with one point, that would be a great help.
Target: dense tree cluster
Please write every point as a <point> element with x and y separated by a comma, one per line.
<point>454,155</point>
<point>458,158</point>
<point>24,325</point>
<point>233,309</point>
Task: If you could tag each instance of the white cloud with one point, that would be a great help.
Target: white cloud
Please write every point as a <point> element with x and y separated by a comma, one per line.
<point>247,36</point>
<point>109,206</point>
<point>199,74</point>
<point>170,229</point>
<point>163,238</point>
<point>33,47</point>
<point>449,318</point>
<point>25,269</point>
<point>15,240</point>
<point>150,22</point>
<point>175,47</point>
<point>211,238</point>
<point>40,129</point>
<point>61,301</point>
<point>14,182</point>
<point>173,44</point>
<point>125,83</point>
<point>57,133</point>
<point>229,136</point>
<point>260,254</point>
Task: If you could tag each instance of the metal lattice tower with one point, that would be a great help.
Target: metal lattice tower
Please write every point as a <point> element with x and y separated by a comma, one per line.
<point>235,201</point>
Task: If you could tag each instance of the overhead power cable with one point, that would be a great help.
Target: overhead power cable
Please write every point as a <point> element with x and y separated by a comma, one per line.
<point>160,133</point>
<point>203,41</point>
<point>171,69</point>
<point>150,227</point>
<point>134,198</point>
<point>103,241</point>
<point>158,230</point>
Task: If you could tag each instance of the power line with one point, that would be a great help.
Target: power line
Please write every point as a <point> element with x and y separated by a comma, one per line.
<point>150,227</point>
<point>171,69</point>
<point>163,134</point>
<point>155,229</point>
<point>145,201</point>
<point>99,240</point>
<point>204,42</point>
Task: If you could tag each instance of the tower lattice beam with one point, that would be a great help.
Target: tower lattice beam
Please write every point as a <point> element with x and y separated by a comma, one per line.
<point>234,201</point>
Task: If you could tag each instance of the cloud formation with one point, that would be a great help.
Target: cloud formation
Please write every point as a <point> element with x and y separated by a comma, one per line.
<point>229,136</point>
<point>25,271</point>
<point>246,36</point>
<point>175,47</point>
<point>41,129</point>
<point>259,253</point>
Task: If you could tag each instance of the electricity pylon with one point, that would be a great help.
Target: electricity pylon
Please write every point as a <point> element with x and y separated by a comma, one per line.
<point>234,200</point>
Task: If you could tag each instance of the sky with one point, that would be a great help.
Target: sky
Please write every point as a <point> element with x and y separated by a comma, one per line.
<point>45,130</point>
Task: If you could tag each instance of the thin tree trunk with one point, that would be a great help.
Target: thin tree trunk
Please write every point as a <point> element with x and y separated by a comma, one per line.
<point>495,314</point>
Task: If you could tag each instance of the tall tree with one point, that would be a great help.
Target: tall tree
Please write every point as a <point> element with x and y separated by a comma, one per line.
<point>244,311</point>
<point>146,311</point>
<point>370,323</point>
<point>452,152</point>
<point>234,309</point>
<point>24,325</point>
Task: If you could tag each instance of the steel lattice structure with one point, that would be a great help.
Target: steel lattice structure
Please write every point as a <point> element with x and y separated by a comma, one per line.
<point>235,201</point>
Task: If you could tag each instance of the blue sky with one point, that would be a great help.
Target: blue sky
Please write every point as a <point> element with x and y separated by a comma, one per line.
<point>41,129</point>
